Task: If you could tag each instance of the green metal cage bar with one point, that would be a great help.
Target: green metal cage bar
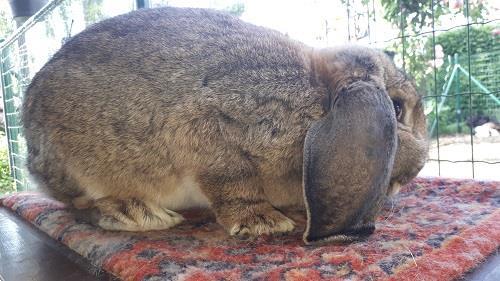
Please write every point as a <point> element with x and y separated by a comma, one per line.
<point>12,89</point>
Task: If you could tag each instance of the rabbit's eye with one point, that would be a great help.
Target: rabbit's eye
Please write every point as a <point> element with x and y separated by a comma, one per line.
<point>398,108</point>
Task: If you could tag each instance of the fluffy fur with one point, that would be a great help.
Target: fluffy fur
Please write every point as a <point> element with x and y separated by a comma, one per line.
<point>164,109</point>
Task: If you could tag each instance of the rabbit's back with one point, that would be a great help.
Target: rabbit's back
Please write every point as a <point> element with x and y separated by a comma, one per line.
<point>160,91</point>
<point>168,59</point>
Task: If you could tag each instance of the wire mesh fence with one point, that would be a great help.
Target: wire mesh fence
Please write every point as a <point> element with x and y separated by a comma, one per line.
<point>450,47</point>
<point>24,53</point>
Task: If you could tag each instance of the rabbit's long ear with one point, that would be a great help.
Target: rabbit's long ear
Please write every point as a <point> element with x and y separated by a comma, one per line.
<point>348,159</point>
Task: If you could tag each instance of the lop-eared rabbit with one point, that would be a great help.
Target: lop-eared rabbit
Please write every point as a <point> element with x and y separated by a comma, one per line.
<point>160,110</point>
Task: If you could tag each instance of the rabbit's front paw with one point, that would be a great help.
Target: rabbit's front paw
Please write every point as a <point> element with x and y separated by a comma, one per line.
<point>262,224</point>
<point>248,223</point>
<point>132,215</point>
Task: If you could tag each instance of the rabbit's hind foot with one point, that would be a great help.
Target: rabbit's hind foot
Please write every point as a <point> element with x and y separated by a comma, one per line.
<point>256,220</point>
<point>132,215</point>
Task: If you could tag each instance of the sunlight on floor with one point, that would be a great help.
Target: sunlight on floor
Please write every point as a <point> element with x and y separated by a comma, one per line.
<point>459,148</point>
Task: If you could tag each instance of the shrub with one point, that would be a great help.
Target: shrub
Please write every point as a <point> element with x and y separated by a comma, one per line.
<point>6,182</point>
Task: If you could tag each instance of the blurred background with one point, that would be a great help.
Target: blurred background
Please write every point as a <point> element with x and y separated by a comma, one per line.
<point>450,47</point>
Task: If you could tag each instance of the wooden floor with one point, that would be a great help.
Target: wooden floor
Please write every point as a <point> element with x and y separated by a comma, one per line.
<point>26,253</point>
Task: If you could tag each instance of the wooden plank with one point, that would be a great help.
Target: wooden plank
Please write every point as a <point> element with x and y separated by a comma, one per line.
<point>27,253</point>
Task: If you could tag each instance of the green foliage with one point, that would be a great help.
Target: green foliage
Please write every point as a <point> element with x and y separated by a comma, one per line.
<point>417,14</point>
<point>484,66</point>
<point>451,128</point>
<point>412,17</point>
<point>484,48</point>
<point>236,9</point>
<point>6,25</point>
<point>454,42</point>
<point>93,11</point>
<point>6,182</point>
<point>416,54</point>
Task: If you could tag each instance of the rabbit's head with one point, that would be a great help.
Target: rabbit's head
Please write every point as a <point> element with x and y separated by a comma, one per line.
<point>412,131</point>
<point>371,140</point>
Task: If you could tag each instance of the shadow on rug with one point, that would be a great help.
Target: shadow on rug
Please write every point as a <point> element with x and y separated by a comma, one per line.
<point>435,229</point>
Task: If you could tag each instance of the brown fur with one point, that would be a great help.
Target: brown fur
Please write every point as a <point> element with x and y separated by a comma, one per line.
<point>188,107</point>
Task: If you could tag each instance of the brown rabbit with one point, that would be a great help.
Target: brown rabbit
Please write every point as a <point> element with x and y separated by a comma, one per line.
<point>160,110</point>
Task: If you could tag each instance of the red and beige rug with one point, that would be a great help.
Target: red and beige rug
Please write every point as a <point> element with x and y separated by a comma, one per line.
<point>435,229</point>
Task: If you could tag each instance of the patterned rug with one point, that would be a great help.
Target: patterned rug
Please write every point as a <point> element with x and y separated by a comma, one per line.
<point>435,229</point>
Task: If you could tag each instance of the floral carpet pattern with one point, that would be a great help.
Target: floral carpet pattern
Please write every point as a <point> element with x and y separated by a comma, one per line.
<point>434,229</point>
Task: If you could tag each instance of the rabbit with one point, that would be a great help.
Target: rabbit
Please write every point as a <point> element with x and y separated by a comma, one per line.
<point>160,110</point>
